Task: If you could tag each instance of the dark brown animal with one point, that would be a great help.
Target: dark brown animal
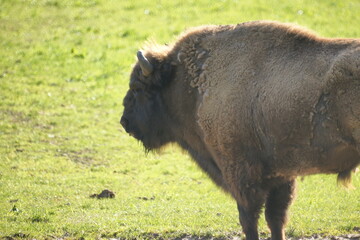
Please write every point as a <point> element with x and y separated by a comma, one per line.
<point>256,105</point>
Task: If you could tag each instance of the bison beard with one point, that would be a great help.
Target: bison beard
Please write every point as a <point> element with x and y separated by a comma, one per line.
<point>255,105</point>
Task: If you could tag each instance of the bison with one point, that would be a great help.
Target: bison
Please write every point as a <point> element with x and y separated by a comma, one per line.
<point>256,105</point>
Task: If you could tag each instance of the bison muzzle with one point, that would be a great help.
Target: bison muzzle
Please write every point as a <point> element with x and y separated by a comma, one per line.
<point>255,105</point>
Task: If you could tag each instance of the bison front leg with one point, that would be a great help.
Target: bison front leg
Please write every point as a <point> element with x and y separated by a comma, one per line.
<point>244,181</point>
<point>249,217</point>
<point>277,204</point>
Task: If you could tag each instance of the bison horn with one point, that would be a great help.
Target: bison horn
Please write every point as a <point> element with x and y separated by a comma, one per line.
<point>145,65</point>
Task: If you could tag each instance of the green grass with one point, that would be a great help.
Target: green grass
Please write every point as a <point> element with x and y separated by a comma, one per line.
<point>64,69</point>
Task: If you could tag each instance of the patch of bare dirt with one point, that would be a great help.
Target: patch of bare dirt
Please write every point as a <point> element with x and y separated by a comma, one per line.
<point>83,156</point>
<point>318,237</point>
<point>315,237</point>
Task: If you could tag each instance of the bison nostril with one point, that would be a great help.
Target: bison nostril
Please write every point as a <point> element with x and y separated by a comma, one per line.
<point>124,122</point>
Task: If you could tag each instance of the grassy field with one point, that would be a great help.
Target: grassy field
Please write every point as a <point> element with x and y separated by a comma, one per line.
<point>64,69</point>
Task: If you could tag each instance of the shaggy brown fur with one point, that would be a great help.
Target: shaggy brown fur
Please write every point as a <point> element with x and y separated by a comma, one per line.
<point>256,105</point>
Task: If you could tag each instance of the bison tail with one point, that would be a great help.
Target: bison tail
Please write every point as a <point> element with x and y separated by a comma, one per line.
<point>344,178</point>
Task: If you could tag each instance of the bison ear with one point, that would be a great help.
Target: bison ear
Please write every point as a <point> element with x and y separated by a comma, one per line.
<point>164,74</point>
<point>146,67</point>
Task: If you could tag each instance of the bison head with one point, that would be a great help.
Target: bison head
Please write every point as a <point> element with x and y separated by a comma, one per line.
<point>145,116</point>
